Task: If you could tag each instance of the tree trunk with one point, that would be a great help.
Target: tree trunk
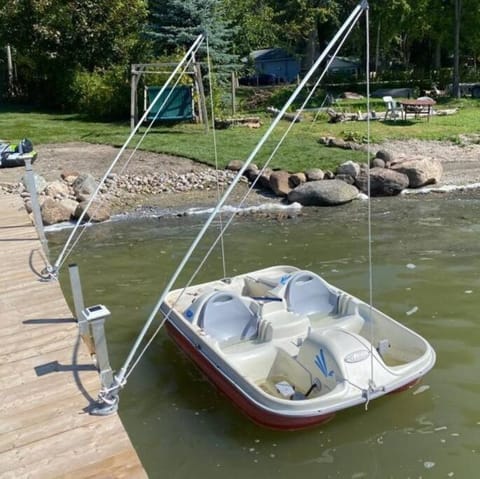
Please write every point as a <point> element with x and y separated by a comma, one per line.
<point>10,70</point>
<point>456,52</point>
<point>377,50</point>
<point>437,61</point>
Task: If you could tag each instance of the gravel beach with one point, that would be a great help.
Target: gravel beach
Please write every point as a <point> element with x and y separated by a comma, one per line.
<point>461,165</point>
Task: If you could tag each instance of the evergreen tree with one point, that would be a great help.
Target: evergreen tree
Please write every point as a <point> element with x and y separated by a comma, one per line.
<point>174,25</point>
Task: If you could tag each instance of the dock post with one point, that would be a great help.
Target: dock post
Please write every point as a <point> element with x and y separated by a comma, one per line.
<point>37,216</point>
<point>95,317</point>
<point>79,306</point>
<point>103,363</point>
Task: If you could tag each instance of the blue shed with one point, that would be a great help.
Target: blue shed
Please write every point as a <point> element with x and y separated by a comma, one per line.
<point>277,62</point>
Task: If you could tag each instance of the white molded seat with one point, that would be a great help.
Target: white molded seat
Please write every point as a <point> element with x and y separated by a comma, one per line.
<point>393,110</point>
<point>226,316</point>
<point>307,293</point>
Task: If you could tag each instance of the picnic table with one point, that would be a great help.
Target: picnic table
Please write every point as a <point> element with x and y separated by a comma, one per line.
<point>420,106</point>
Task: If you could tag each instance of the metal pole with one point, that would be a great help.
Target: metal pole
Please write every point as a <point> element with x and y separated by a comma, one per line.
<point>120,378</point>
<point>101,351</point>
<point>79,306</point>
<point>77,292</point>
<point>37,215</point>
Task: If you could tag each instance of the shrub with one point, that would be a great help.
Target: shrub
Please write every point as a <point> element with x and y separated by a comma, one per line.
<point>101,94</point>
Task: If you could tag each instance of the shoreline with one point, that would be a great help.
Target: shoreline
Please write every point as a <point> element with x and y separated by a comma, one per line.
<point>461,174</point>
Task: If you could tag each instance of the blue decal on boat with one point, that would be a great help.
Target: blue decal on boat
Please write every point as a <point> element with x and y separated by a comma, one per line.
<point>188,313</point>
<point>284,278</point>
<point>321,362</point>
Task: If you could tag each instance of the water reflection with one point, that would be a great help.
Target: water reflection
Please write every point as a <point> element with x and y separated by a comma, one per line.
<point>426,275</point>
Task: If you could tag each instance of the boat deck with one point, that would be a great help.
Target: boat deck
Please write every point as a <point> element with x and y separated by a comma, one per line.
<point>47,379</point>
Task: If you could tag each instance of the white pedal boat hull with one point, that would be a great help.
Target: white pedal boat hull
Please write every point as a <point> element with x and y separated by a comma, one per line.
<point>291,350</point>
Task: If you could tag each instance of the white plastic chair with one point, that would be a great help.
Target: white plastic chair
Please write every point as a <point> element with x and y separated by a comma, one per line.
<point>393,110</point>
<point>307,294</point>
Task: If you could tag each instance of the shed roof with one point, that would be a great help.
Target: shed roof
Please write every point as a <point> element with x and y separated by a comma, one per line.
<point>266,54</point>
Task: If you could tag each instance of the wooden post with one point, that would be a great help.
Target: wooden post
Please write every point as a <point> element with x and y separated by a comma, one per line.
<point>133,98</point>
<point>137,71</point>
<point>203,103</point>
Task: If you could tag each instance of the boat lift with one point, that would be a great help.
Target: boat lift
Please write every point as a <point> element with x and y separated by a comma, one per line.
<point>107,402</point>
<point>91,320</point>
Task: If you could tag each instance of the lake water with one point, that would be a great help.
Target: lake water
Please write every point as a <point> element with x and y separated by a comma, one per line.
<point>426,274</point>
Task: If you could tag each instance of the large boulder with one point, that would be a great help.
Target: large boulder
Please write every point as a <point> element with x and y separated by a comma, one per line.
<point>57,190</point>
<point>70,205</point>
<point>349,168</point>
<point>385,155</point>
<point>69,176</point>
<point>314,174</point>
<point>297,179</point>
<point>251,172</point>
<point>96,213</point>
<point>383,182</point>
<point>54,212</point>
<point>262,179</point>
<point>84,187</point>
<point>235,165</point>
<point>323,193</point>
<point>279,182</point>
<point>420,171</point>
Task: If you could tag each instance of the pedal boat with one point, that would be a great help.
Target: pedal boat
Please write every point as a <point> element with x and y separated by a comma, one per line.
<point>291,350</point>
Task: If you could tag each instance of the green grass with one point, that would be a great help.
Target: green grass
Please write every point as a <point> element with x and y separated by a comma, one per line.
<point>300,150</point>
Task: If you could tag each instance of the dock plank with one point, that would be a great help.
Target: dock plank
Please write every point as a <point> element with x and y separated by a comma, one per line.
<point>47,379</point>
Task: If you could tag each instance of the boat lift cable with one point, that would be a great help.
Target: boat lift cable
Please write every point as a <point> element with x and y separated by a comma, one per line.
<point>62,256</point>
<point>133,152</point>
<point>215,151</point>
<point>369,202</point>
<point>120,378</point>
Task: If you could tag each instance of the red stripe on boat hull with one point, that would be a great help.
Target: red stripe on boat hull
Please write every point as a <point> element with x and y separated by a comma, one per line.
<point>260,416</point>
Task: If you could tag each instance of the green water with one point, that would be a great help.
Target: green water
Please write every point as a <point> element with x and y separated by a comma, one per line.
<point>425,274</point>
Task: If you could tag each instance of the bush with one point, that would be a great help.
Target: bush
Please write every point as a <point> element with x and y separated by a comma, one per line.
<point>101,94</point>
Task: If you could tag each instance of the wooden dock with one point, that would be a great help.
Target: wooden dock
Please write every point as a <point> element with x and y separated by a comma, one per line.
<point>47,379</point>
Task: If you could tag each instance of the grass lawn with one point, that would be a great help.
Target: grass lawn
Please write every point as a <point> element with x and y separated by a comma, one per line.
<point>300,150</point>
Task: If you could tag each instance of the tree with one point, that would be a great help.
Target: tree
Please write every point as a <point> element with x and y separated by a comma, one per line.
<point>256,24</point>
<point>174,24</point>
<point>54,37</point>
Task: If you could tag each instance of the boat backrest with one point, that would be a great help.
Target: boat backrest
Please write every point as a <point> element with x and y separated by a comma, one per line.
<point>307,293</point>
<point>225,316</point>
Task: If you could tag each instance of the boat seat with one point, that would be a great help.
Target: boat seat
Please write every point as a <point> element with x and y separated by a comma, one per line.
<point>227,317</point>
<point>306,293</point>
